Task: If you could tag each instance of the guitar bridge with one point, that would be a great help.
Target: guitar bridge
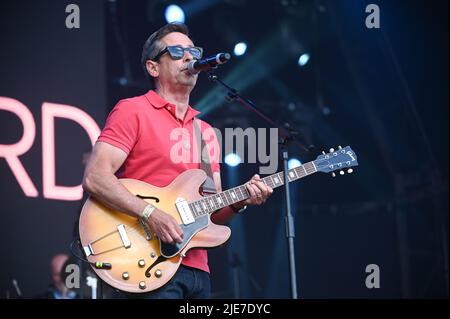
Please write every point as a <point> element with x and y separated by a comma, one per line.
<point>148,235</point>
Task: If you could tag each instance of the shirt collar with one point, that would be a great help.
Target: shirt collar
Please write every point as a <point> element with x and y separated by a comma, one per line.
<point>155,100</point>
<point>158,102</point>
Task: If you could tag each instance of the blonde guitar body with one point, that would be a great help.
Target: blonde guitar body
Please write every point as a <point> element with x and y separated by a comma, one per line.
<point>140,262</point>
<point>135,261</point>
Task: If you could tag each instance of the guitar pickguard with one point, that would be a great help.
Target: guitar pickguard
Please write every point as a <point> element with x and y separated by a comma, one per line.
<point>170,250</point>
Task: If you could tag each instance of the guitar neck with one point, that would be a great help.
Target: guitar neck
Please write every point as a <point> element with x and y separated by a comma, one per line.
<point>212,203</point>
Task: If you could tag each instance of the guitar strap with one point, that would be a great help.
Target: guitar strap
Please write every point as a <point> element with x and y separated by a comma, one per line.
<point>209,187</point>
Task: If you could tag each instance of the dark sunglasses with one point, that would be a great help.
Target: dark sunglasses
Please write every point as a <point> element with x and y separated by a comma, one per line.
<point>177,52</point>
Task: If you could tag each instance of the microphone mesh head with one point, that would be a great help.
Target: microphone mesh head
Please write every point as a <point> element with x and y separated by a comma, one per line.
<point>223,57</point>
<point>191,68</point>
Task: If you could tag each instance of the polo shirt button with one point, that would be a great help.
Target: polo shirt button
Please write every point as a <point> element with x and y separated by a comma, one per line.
<point>169,108</point>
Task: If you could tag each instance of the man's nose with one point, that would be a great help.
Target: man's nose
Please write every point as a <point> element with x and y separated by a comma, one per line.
<point>187,56</point>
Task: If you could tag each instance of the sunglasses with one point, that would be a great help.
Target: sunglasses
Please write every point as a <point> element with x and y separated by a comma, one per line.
<point>177,52</point>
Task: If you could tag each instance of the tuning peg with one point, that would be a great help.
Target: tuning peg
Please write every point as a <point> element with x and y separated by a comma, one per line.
<point>331,150</point>
<point>350,170</point>
<point>340,147</point>
<point>333,174</point>
<point>341,172</point>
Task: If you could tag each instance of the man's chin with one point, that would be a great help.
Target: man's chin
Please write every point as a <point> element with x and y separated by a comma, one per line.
<point>189,82</point>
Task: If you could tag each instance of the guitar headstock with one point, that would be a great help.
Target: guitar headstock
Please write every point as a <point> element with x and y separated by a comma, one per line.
<point>340,159</point>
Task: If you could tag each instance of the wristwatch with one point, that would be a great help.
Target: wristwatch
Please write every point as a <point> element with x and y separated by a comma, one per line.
<point>239,211</point>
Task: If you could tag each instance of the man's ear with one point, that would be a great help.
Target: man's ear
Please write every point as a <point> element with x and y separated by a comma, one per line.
<point>152,68</point>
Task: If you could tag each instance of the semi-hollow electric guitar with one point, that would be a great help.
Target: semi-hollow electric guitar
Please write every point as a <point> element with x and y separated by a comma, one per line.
<point>125,254</point>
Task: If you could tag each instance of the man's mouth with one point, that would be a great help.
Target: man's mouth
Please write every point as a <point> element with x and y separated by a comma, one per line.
<point>186,71</point>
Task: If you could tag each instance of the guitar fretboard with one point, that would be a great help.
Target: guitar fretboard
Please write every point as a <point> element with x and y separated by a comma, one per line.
<point>212,203</point>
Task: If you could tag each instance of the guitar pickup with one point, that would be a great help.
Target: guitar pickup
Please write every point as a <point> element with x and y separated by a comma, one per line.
<point>184,211</point>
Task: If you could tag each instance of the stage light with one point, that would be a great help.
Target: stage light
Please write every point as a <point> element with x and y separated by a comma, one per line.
<point>240,48</point>
<point>303,59</point>
<point>123,81</point>
<point>174,13</point>
<point>232,159</point>
<point>293,162</point>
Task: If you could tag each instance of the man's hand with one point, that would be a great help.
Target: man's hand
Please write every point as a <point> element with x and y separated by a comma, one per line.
<point>258,191</point>
<point>165,227</point>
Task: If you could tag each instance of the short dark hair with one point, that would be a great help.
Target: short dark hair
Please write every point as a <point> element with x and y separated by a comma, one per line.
<point>154,45</point>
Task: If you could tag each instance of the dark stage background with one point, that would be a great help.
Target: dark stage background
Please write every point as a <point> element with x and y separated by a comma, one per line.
<point>382,91</point>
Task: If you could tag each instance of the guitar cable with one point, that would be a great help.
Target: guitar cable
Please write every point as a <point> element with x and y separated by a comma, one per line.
<point>98,264</point>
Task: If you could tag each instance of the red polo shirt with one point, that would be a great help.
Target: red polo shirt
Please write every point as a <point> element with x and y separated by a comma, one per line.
<point>159,146</point>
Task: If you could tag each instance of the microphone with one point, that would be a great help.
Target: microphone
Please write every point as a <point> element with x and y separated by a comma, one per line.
<point>196,66</point>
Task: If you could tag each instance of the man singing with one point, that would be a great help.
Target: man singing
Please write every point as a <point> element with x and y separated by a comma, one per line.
<point>135,143</point>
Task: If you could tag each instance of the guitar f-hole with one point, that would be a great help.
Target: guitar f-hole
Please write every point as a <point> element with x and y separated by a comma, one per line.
<point>160,259</point>
<point>156,199</point>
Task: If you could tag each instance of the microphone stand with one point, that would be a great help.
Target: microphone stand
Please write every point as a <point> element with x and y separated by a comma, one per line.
<point>287,136</point>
